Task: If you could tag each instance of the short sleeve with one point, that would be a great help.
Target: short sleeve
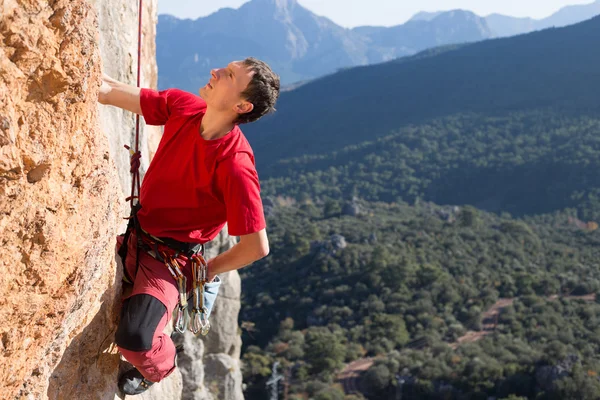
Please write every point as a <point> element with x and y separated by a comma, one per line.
<point>238,181</point>
<point>158,106</point>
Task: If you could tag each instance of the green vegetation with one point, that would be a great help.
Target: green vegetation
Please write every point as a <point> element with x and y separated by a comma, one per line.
<point>554,70</point>
<point>509,126</point>
<point>522,163</point>
<point>404,283</point>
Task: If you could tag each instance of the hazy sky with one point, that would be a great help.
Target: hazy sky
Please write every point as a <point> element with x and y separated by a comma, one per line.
<point>351,13</point>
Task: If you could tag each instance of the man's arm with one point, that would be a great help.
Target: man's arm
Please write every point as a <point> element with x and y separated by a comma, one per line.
<point>251,248</point>
<point>118,94</point>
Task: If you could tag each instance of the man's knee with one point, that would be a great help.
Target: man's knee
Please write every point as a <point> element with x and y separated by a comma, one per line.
<point>140,317</point>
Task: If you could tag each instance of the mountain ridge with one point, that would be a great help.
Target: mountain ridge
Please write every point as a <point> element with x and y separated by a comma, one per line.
<point>297,43</point>
<point>443,126</point>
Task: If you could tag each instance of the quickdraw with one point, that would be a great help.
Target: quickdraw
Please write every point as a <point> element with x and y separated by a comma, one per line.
<point>200,321</point>
<point>181,319</point>
<point>199,318</point>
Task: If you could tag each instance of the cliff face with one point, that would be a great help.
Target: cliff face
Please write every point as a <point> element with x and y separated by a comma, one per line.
<point>118,41</point>
<point>63,178</point>
<point>59,197</point>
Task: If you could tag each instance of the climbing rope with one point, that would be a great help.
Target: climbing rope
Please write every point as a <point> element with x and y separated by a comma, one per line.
<point>136,155</point>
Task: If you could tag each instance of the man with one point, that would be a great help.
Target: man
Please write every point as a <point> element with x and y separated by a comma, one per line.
<point>202,176</point>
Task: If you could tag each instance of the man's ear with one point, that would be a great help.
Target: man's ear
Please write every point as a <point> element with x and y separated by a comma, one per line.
<point>244,107</point>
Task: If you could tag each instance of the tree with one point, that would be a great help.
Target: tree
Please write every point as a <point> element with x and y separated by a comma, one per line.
<point>332,208</point>
<point>331,393</point>
<point>256,363</point>
<point>386,326</point>
<point>377,379</point>
<point>468,217</point>
<point>323,350</point>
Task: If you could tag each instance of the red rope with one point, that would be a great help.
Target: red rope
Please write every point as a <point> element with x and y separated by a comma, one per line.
<point>136,155</point>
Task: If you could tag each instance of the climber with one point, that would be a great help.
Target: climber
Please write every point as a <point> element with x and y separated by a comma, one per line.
<point>202,176</point>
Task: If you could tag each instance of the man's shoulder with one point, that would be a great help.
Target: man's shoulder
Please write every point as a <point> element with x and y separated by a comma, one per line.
<point>236,143</point>
<point>185,103</point>
<point>237,154</point>
<point>243,142</point>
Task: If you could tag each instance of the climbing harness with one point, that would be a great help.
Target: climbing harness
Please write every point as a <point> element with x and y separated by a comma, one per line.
<point>165,250</point>
<point>169,251</point>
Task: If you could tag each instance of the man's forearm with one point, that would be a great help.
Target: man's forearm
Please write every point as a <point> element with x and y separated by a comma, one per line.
<point>118,94</point>
<point>247,251</point>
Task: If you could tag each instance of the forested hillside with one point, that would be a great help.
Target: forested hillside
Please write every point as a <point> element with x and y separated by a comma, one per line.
<point>352,279</point>
<point>518,162</point>
<point>376,181</point>
<point>505,125</point>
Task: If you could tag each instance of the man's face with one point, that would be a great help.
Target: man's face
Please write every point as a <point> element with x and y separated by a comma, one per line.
<point>225,87</point>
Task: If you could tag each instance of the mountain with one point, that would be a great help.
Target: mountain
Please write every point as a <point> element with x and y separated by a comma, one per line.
<point>503,25</point>
<point>302,46</point>
<point>505,124</point>
<point>298,44</point>
<point>425,16</point>
<point>570,15</point>
<point>455,26</point>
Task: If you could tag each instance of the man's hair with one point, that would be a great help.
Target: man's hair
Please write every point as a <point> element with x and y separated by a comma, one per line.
<point>262,91</point>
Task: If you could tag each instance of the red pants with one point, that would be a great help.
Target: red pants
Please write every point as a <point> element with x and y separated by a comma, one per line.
<point>147,311</point>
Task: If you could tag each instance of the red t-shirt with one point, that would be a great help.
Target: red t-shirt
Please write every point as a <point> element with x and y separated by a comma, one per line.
<point>194,186</point>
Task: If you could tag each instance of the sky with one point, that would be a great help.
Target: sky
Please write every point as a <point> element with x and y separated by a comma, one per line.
<point>351,13</point>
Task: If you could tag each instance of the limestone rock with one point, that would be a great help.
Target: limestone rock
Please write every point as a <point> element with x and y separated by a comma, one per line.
<point>224,337</point>
<point>168,389</point>
<point>118,39</point>
<point>329,246</point>
<point>223,376</point>
<point>547,375</point>
<point>59,210</point>
<point>64,175</point>
<point>191,365</point>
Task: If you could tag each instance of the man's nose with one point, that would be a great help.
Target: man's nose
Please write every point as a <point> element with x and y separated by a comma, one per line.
<point>215,73</point>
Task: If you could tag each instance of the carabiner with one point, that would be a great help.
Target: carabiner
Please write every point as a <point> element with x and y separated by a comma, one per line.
<point>181,321</point>
<point>200,322</point>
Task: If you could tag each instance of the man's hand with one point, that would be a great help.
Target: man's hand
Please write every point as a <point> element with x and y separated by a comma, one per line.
<point>114,93</point>
<point>251,248</point>
<point>104,89</point>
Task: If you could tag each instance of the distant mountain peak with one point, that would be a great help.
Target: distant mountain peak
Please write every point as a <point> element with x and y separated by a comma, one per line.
<point>456,13</point>
<point>427,16</point>
<point>279,4</point>
<point>430,16</point>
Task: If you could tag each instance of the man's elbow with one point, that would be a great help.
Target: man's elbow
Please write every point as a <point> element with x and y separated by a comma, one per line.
<point>263,250</point>
<point>256,245</point>
<point>262,247</point>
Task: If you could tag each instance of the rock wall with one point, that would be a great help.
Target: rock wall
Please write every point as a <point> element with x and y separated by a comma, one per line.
<point>64,175</point>
<point>118,42</point>
<point>59,197</point>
